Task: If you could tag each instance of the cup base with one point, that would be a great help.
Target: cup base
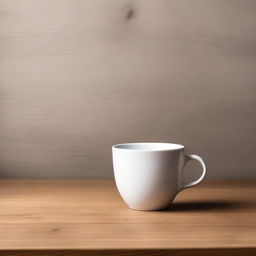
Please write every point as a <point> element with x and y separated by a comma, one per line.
<point>150,209</point>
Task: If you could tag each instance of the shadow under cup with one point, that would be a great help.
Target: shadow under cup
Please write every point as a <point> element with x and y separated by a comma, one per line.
<point>149,175</point>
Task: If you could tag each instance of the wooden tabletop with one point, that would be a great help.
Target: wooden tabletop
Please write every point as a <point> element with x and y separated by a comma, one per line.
<point>90,215</point>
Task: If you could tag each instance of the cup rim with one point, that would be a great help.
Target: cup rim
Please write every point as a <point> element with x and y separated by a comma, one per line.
<point>149,146</point>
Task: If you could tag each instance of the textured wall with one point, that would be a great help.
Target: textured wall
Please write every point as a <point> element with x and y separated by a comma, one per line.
<point>77,76</point>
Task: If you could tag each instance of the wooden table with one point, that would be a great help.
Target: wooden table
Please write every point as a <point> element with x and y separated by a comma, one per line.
<point>88,217</point>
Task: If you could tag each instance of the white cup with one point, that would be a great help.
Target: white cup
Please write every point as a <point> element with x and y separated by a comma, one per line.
<point>149,175</point>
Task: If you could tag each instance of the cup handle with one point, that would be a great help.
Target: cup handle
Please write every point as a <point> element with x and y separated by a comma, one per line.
<point>201,161</point>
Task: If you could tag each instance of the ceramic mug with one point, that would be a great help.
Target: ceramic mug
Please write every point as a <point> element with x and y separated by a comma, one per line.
<point>149,175</point>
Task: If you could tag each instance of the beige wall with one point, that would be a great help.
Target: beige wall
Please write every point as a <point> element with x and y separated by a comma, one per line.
<point>80,75</point>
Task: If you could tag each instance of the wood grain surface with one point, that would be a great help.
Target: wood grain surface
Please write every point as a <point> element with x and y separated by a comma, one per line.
<point>79,76</point>
<point>90,215</point>
<point>194,252</point>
